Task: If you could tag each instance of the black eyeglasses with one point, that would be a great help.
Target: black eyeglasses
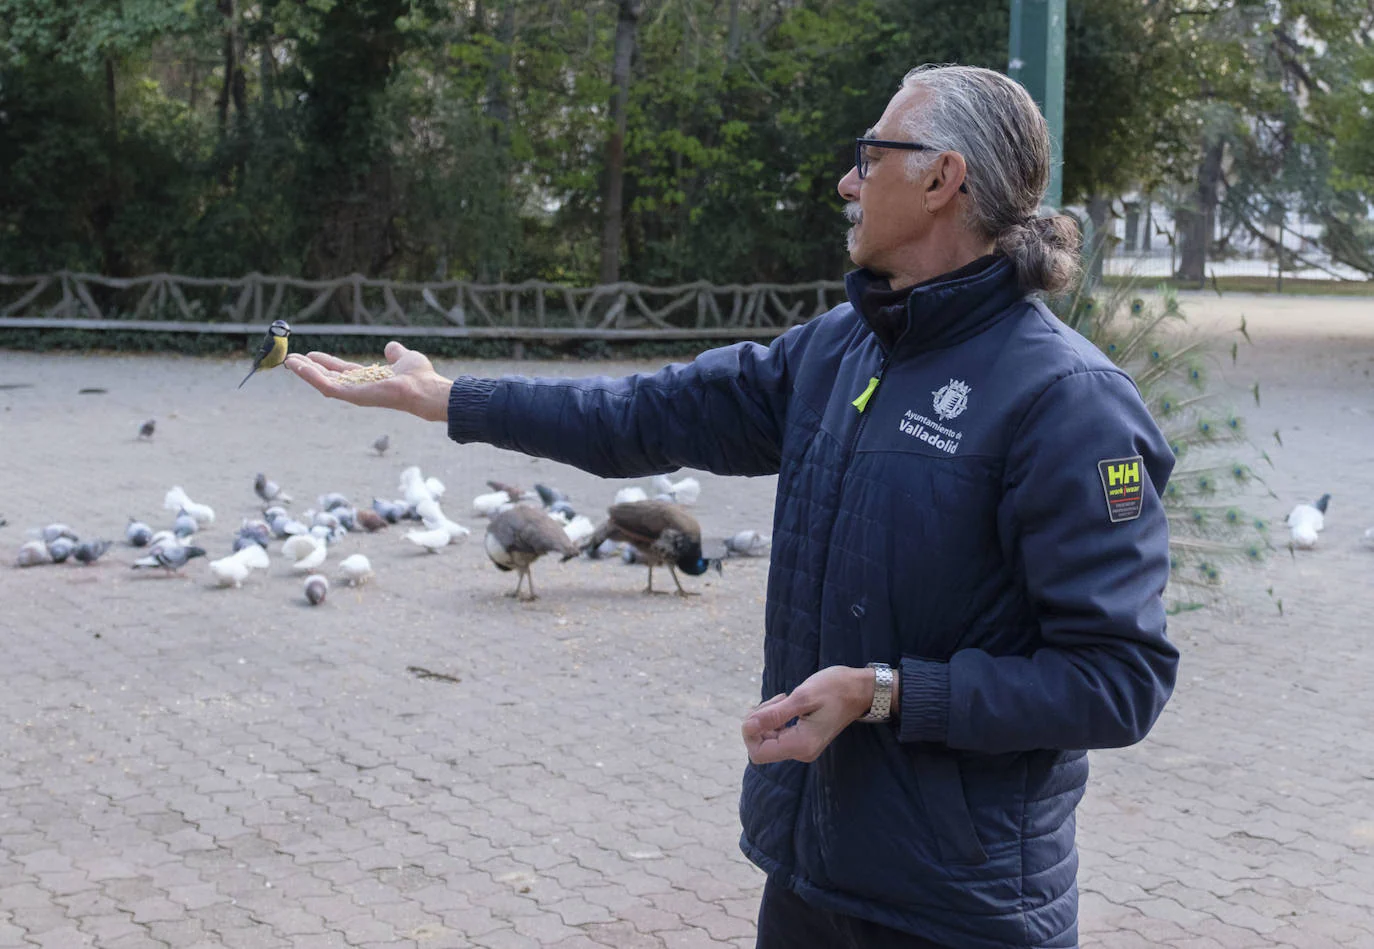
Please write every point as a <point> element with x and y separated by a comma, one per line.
<point>862,159</point>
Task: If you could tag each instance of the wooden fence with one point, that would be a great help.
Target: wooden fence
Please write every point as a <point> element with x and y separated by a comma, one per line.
<point>358,306</point>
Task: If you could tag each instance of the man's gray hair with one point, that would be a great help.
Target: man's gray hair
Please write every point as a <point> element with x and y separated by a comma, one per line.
<point>994,123</point>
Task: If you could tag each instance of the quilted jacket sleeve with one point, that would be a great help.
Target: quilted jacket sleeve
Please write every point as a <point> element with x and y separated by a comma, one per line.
<point>1094,553</point>
<point>723,412</point>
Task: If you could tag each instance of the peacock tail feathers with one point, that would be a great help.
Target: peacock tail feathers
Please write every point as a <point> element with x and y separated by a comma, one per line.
<point>1205,501</point>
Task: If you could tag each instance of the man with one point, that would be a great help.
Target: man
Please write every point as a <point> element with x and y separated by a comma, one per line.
<point>968,497</point>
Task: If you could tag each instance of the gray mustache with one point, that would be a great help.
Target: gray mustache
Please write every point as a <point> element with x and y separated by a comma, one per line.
<point>853,213</point>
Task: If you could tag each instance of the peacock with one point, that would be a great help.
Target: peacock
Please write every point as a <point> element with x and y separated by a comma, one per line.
<point>1214,472</point>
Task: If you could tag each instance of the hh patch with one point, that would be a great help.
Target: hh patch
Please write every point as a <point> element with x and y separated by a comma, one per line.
<point>1122,480</point>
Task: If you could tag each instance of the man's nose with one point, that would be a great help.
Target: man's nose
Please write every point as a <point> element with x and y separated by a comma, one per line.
<point>849,185</point>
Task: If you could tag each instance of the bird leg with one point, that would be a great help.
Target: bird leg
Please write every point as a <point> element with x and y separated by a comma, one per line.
<point>650,587</point>
<point>519,582</point>
<point>680,591</point>
<point>533,596</point>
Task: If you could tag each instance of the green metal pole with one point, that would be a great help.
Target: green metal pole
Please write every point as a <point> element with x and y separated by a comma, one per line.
<point>1037,62</point>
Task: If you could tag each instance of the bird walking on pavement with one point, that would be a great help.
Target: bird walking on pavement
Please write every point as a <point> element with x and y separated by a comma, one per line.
<point>517,537</point>
<point>272,350</point>
<point>663,534</point>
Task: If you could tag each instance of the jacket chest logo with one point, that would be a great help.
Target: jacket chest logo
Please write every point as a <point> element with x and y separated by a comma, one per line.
<point>951,400</point>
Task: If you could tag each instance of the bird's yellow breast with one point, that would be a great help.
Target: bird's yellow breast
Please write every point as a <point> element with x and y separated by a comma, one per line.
<point>278,354</point>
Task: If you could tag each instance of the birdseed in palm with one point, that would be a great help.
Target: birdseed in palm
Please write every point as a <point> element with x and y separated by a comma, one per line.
<point>365,374</point>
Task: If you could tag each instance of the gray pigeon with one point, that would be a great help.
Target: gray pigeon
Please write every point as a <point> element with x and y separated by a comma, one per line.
<point>381,445</point>
<point>269,490</point>
<point>332,500</point>
<point>185,525</point>
<point>170,559</point>
<point>90,551</point>
<point>316,587</point>
<point>61,548</point>
<point>518,537</point>
<point>145,431</point>
<point>54,531</point>
<point>138,533</point>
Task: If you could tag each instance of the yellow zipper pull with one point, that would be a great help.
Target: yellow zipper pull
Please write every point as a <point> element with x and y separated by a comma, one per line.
<point>861,402</point>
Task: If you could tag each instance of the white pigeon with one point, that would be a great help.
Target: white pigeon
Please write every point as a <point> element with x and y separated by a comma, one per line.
<point>685,491</point>
<point>176,500</point>
<point>255,556</point>
<point>415,488</point>
<point>230,571</point>
<point>494,502</point>
<point>299,546</point>
<point>312,560</point>
<point>748,544</point>
<point>432,540</point>
<point>630,495</point>
<point>433,517</point>
<point>1306,520</point>
<point>356,569</point>
<point>579,529</point>
<point>33,553</point>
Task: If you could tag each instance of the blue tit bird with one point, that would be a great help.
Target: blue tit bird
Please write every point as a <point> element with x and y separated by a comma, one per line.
<point>272,352</point>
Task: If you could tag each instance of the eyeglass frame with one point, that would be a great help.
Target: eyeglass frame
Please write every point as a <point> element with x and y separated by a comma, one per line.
<point>859,162</point>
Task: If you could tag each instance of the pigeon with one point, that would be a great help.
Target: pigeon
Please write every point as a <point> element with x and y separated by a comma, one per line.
<point>313,559</point>
<point>433,517</point>
<point>607,548</point>
<point>486,505</point>
<point>316,586</point>
<point>663,534</point>
<point>252,532</point>
<point>53,531</point>
<point>548,495</point>
<point>1306,520</point>
<point>748,544</point>
<point>579,529</point>
<point>516,538</point>
<point>269,490</point>
<point>287,527</point>
<point>254,556</point>
<point>176,500</point>
<point>61,548</point>
<point>170,558</point>
<point>274,512</point>
<point>326,520</point>
<point>356,569</point>
<point>370,520</point>
<point>333,499</point>
<point>431,540</point>
<point>185,525</point>
<point>90,551</point>
<point>416,488</point>
<point>685,491</point>
<point>630,495</point>
<point>299,546</point>
<point>33,553</point>
<point>137,534</point>
<point>145,431</point>
<point>388,509</point>
<point>347,517</point>
<point>381,445</point>
<point>230,571</point>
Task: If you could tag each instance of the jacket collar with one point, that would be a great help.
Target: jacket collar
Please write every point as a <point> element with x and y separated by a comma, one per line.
<point>940,312</point>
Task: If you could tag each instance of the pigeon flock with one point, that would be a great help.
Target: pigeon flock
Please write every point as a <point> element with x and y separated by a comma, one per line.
<point>651,529</point>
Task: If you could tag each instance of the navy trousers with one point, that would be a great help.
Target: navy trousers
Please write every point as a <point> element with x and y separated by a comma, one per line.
<point>786,921</point>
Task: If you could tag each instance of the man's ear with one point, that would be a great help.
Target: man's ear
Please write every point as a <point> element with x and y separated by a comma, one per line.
<point>949,171</point>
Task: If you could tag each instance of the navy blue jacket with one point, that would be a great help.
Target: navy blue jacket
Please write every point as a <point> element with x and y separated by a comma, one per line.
<point>985,515</point>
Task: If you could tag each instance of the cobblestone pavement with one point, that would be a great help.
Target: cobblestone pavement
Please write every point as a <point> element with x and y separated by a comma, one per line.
<point>424,762</point>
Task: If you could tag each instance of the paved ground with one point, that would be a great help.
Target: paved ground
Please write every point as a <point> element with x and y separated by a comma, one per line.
<point>185,766</point>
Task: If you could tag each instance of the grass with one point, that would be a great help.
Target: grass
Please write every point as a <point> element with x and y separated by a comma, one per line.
<point>1256,284</point>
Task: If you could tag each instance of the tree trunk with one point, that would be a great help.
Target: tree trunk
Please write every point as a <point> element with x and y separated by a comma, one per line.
<point>733,33</point>
<point>1099,209</point>
<point>626,27</point>
<point>231,68</point>
<point>1197,220</point>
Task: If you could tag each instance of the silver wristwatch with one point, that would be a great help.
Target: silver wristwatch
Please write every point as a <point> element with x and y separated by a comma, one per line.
<point>881,709</point>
